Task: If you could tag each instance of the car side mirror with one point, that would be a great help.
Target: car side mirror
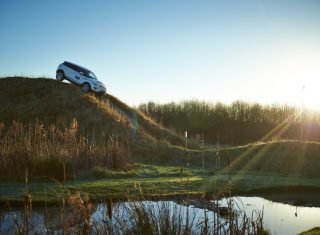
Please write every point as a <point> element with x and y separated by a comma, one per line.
<point>81,73</point>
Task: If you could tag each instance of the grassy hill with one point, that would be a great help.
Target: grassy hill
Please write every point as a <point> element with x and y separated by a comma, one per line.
<point>161,168</point>
<point>51,102</point>
<point>44,122</point>
<point>286,158</point>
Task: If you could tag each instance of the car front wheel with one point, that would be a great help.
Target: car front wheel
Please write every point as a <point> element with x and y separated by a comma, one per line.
<point>86,87</point>
<point>60,76</point>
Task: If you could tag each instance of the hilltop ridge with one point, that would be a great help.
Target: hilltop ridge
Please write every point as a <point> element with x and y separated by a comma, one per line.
<point>50,102</point>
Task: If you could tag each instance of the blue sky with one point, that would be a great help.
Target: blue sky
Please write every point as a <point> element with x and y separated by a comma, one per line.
<point>263,51</point>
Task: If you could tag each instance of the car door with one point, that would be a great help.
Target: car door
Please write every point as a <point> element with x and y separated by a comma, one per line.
<point>77,77</point>
<point>68,71</point>
<point>82,76</point>
<point>71,72</point>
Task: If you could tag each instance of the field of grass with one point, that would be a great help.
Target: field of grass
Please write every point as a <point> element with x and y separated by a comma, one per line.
<point>287,158</point>
<point>158,163</point>
<point>158,181</point>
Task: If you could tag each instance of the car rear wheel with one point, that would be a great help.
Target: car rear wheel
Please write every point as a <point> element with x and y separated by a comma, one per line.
<point>86,87</point>
<point>60,76</point>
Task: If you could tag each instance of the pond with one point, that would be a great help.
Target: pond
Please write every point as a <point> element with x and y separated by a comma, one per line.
<point>282,218</point>
<point>278,218</point>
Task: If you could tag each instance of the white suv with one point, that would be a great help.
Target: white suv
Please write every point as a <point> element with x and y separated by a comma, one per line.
<point>80,76</point>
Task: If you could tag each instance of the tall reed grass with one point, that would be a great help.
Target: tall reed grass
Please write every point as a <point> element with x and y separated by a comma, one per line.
<point>42,150</point>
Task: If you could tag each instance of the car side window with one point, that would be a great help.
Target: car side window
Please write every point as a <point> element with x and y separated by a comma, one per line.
<point>68,65</point>
<point>75,68</point>
<point>81,71</point>
<point>71,66</point>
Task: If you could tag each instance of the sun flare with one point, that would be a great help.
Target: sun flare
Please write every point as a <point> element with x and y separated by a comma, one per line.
<point>290,77</point>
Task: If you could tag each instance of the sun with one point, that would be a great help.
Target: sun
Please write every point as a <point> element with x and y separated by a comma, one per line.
<point>303,72</point>
<point>291,77</point>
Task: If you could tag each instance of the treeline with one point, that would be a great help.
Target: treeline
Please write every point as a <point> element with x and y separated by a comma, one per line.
<point>236,123</point>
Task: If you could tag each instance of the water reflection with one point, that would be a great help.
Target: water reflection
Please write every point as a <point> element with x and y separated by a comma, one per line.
<point>282,218</point>
<point>278,218</point>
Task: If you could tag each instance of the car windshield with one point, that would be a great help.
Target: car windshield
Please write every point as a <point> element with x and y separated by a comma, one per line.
<point>92,75</point>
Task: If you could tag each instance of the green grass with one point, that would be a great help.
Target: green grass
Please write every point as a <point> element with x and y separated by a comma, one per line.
<point>290,158</point>
<point>314,231</point>
<point>145,171</point>
<point>157,181</point>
